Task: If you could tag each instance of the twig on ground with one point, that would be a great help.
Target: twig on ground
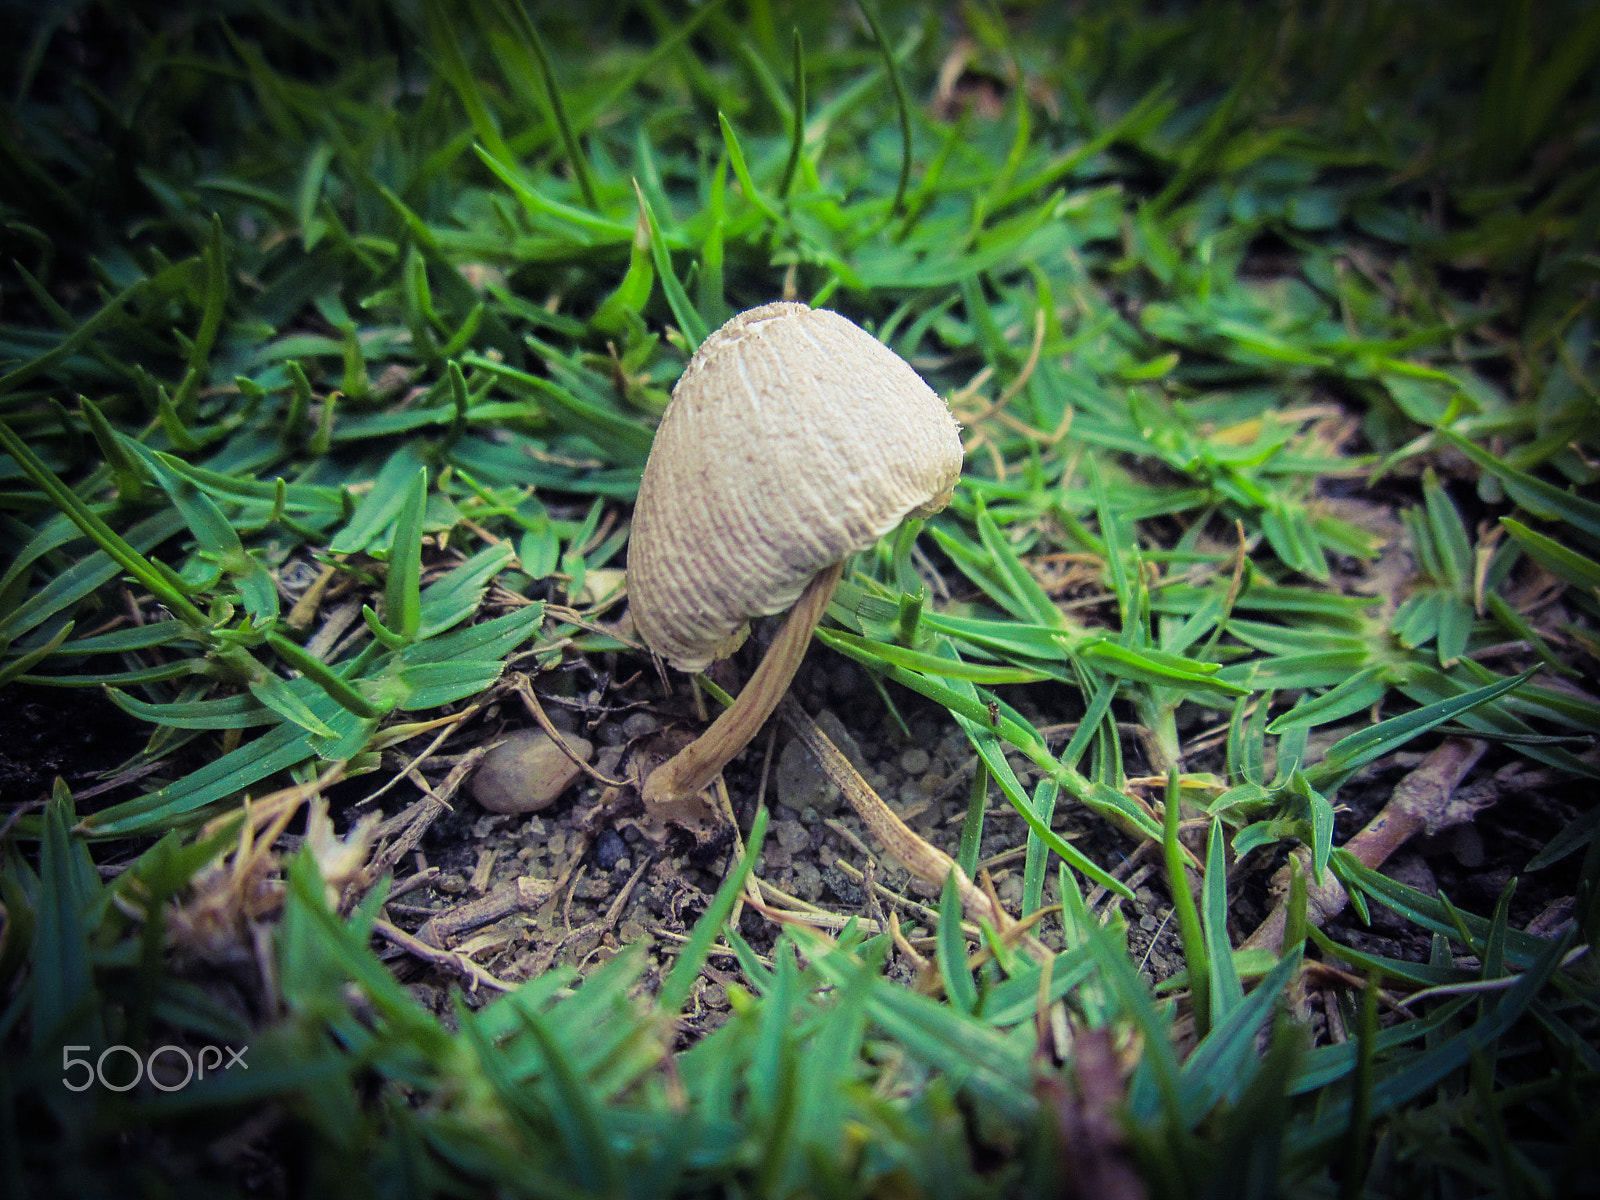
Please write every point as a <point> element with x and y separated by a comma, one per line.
<point>927,862</point>
<point>603,924</point>
<point>444,958</point>
<point>451,725</point>
<point>523,686</point>
<point>903,944</point>
<point>613,913</point>
<point>414,820</point>
<point>921,911</point>
<point>412,882</point>
<point>1420,803</point>
<point>516,895</point>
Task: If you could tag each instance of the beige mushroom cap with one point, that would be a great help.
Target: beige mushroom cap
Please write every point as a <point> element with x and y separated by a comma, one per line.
<point>794,439</point>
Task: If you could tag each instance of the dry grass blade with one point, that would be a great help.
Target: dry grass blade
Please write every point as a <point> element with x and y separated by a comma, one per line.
<point>927,862</point>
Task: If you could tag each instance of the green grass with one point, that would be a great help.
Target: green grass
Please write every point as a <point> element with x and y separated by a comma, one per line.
<point>343,286</point>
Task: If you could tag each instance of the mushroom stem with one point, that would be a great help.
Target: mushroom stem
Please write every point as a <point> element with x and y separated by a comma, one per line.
<point>697,764</point>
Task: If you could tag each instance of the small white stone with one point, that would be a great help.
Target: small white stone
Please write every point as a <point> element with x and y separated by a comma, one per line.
<point>527,772</point>
<point>914,761</point>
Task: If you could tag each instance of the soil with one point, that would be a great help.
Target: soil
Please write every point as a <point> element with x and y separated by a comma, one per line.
<point>50,733</point>
<point>616,887</point>
<point>621,889</point>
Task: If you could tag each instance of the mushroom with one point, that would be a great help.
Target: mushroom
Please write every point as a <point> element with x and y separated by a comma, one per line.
<point>794,439</point>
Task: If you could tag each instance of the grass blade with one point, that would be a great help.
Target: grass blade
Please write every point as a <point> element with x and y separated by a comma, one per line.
<point>902,107</point>
<point>136,564</point>
<point>689,322</point>
<point>958,985</point>
<point>1197,948</point>
<point>1350,754</point>
<point>402,594</point>
<point>1224,990</point>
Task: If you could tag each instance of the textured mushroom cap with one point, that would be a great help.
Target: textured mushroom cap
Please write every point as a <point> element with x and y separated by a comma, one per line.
<point>794,439</point>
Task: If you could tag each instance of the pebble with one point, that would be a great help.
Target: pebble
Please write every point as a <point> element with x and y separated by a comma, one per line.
<point>915,761</point>
<point>608,760</point>
<point>637,724</point>
<point>773,858</point>
<point>526,772</point>
<point>791,835</point>
<point>609,849</point>
<point>845,680</point>
<point>1466,843</point>
<point>800,780</point>
<point>845,888</point>
<point>807,880</point>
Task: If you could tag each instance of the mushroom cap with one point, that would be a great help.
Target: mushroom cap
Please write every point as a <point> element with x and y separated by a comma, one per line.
<point>794,438</point>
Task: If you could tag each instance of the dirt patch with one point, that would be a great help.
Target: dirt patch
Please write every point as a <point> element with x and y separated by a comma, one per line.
<point>616,887</point>
<point>613,887</point>
<point>73,734</point>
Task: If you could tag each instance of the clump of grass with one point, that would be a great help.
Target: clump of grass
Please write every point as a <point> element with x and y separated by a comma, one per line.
<point>1273,338</point>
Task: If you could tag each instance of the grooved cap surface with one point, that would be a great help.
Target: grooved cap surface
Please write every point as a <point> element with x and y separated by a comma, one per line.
<point>794,438</point>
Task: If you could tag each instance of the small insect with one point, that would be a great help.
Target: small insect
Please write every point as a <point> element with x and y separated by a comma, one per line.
<point>994,713</point>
